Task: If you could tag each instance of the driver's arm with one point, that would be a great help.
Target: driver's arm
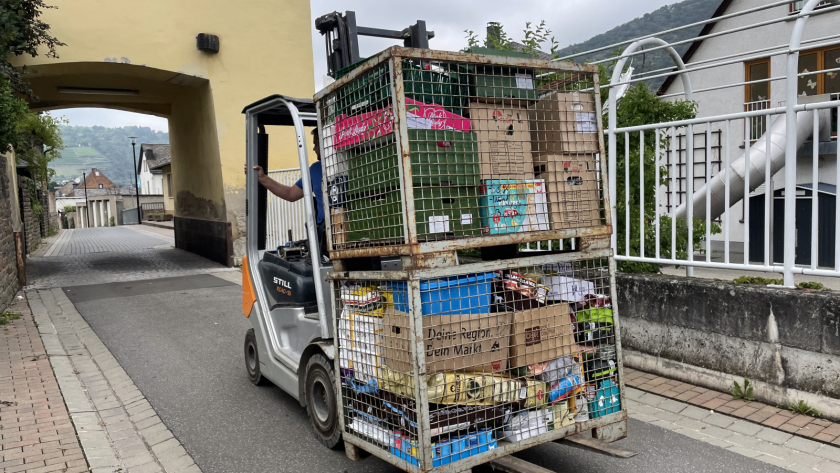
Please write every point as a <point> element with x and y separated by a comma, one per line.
<point>287,193</point>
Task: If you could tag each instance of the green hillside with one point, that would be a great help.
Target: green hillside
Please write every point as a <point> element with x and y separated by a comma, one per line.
<point>104,148</point>
<point>667,17</point>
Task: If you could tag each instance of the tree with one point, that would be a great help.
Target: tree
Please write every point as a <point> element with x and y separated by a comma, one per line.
<point>22,32</point>
<point>12,109</point>
<point>39,143</point>
<point>641,106</point>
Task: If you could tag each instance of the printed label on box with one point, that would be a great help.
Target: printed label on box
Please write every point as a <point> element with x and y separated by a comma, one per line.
<point>366,126</point>
<point>532,336</point>
<point>586,122</point>
<point>439,224</point>
<point>524,81</point>
<point>466,219</point>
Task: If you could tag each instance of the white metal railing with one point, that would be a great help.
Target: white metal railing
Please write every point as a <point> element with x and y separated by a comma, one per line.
<point>757,124</point>
<point>756,145</point>
<point>283,216</point>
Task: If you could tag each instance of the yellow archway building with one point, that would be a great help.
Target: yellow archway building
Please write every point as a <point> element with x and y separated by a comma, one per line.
<point>143,57</point>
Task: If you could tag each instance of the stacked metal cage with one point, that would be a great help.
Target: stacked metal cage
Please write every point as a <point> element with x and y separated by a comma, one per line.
<point>430,158</point>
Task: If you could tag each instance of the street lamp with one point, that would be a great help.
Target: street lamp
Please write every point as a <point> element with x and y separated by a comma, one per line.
<point>136,186</point>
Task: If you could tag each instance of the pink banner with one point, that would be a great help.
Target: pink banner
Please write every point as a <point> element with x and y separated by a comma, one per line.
<point>366,126</point>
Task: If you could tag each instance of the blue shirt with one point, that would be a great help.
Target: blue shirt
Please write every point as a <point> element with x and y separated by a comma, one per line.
<point>317,177</point>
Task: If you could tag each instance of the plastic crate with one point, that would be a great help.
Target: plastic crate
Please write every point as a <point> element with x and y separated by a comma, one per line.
<point>465,294</point>
<point>438,158</point>
<point>377,214</point>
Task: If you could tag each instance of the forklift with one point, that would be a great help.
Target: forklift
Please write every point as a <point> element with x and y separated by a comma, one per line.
<point>285,289</point>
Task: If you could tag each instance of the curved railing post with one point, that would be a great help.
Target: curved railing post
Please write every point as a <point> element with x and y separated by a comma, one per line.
<point>791,100</point>
<point>616,77</point>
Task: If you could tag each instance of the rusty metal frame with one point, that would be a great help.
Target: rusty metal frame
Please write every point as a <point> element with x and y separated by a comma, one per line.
<point>476,242</point>
<point>413,278</point>
<point>503,449</point>
<point>412,244</point>
<point>398,52</point>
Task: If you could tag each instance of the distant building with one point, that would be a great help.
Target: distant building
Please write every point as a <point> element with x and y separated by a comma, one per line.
<point>152,158</point>
<point>96,180</point>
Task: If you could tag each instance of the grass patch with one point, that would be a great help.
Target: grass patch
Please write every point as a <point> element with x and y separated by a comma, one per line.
<point>7,317</point>
<point>757,280</point>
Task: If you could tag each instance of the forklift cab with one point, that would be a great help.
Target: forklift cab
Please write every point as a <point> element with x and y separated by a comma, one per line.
<point>284,289</point>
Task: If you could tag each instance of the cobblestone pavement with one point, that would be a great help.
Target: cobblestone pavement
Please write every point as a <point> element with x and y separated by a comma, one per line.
<point>707,424</point>
<point>118,428</point>
<point>801,425</point>
<point>103,239</point>
<point>112,254</point>
<point>37,434</point>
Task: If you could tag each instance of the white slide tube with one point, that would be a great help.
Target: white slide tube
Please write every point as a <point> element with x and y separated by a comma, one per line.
<point>758,157</point>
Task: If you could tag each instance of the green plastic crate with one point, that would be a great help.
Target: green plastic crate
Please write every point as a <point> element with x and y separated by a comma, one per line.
<point>448,86</point>
<point>438,158</point>
<point>369,92</point>
<point>440,213</point>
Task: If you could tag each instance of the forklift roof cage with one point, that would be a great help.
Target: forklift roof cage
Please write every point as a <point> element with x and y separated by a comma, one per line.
<point>283,111</point>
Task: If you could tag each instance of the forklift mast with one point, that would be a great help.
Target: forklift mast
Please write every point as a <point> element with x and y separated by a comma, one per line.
<point>341,35</point>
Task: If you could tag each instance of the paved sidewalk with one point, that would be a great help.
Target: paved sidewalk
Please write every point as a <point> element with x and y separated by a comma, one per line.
<point>118,429</point>
<point>710,425</point>
<point>801,425</point>
<point>36,434</point>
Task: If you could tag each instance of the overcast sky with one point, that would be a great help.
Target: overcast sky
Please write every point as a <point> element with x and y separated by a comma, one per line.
<point>571,21</point>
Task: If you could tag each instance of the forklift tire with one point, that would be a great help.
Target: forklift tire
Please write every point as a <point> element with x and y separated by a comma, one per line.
<point>321,401</point>
<point>252,359</point>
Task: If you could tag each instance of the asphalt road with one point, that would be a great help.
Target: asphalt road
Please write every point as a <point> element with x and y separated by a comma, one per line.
<point>183,349</point>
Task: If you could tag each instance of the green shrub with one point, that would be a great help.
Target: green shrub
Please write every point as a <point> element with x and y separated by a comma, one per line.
<point>814,286</point>
<point>111,222</point>
<point>757,280</point>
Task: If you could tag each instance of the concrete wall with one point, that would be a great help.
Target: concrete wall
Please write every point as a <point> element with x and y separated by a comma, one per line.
<point>8,260</point>
<point>787,339</point>
<point>266,48</point>
<point>731,100</point>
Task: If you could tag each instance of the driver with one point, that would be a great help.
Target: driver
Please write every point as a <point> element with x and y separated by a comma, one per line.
<point>295,192</point>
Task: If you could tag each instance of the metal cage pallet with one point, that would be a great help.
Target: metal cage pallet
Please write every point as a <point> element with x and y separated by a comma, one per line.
<point>447,368</point>
<point>429,151</point>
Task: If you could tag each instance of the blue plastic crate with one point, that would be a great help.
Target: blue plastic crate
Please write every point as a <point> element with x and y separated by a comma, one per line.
<point>448,451</point>
<point>463,294</point>
<point>478,442</point>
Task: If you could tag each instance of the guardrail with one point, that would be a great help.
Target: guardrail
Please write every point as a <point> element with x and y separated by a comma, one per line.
<point>661,227</point>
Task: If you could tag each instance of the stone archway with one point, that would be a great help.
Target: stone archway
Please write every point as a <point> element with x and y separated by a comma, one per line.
<point>201,219</point>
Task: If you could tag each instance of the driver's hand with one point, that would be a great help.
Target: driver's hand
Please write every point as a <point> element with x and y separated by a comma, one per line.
<point>260,172</point>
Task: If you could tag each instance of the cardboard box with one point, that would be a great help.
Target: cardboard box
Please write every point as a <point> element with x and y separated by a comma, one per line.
<point>541,335</point>
<point>564,122</point>
<point>504,140</point>
<point>572,183</point>
<point>339,227</point>
<point>512,206</point>
<point>471,342</point>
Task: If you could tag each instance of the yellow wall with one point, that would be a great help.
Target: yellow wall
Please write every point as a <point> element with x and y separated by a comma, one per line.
<point>266,48</point>
<point>168,198</point>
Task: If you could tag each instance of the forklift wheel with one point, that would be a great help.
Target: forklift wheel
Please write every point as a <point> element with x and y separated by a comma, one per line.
<point>252,359</point>
<point>321,402</point>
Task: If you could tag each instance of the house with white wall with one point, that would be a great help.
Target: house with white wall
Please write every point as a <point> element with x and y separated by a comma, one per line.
<point>764,51</point>
<point>152,158</point>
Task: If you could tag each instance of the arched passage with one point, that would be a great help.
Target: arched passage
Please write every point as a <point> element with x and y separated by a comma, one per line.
<point>186,101</point>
